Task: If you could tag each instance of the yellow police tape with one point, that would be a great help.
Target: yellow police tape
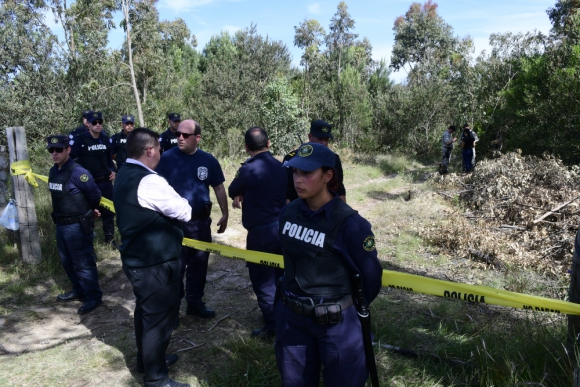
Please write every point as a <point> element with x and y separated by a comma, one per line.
<point>391,279</point>
<point>23,168</point>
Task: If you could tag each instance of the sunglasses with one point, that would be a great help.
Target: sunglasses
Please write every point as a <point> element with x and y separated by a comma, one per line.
<point>185,135</point>
<point>97,122</point>
<point>57,150</point>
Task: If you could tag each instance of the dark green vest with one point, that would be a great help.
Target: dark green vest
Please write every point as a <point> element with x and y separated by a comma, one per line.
<point>147,237</point>
<point>311,266</point>
<point>64,203</point>
<point>94,156</point>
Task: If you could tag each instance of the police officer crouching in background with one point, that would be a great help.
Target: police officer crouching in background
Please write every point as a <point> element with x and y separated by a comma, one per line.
<point>75,197</point>
<point>260,188</point>
<point>324,244</point>
<point>92,150</point>
<point>149,212</point>
<point>119,141</point>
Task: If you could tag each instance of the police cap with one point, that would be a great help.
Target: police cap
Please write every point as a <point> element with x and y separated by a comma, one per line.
<point>174,117</point>
<point>128,118</point>
<point>87,113</point>
<point>320,129</point>
<point>311,156</point>
<point>94,116</point>
<point>57,141</point>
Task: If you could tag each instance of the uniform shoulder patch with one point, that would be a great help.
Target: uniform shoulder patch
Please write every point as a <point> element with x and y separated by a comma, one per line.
<point>84,178</point>
<point>369,243</point>
<point>237,174</point>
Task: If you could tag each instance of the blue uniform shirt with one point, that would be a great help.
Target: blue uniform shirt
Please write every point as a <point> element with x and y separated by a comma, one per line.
<point>351,243</point>
<point>191,175</point>
<point>119,140</point>
<point>75,185</point>
<point>262,182</point>
<point>167,140</point>
<point>79,149</point>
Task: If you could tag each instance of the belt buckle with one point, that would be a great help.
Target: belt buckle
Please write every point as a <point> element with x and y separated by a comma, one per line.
<point>304,300</point>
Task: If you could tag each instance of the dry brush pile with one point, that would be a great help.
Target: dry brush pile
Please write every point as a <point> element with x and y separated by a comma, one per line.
<point>514,210</point>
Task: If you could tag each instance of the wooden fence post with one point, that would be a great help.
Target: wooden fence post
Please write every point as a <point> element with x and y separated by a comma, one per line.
<point>3,175</point>
<point>29,235</point>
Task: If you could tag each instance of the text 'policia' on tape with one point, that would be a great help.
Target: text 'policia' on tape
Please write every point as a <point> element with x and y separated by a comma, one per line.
<point>391,279</point>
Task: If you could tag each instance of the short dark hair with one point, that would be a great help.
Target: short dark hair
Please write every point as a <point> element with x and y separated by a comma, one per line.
<point>256,139</point>
<point>139,140</point>
<point>452,128</point>
<point>197,129</point>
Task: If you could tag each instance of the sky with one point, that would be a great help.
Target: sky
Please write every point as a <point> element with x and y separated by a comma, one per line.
<point>373,19</point>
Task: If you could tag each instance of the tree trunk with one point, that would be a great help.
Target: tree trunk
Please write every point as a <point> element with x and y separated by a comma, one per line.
<point>125,5</point>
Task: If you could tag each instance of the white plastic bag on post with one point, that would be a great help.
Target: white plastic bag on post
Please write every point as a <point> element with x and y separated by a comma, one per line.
<point>9,217</point>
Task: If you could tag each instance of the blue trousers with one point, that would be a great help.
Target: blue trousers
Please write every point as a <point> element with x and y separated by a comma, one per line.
<point>107,216</point>
<point>194,262</point>
<point>263,277</point>
<point>78,259</point>
<point>468,159</point>
<point>156,309</point>
<point>302,346</point>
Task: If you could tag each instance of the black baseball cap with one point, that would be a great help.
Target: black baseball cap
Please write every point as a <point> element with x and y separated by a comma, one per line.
<point>320,129</point>
<point>174,117</point>
<point>57,141</point>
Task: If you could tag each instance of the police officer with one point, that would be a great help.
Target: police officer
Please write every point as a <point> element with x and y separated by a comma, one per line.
<point>119,141</point>
<point>168,139</point>
<point>82,128</point>
<point>447,142</point>
<point>260,188</point>
<point>92,150</point>
<point>324,243</point>
<point>75,197</point>
<point>148,215</point>
<point>191,171</point>
<point>320,133</point>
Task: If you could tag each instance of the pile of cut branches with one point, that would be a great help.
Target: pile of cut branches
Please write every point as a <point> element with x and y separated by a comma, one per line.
<point>514,210</point>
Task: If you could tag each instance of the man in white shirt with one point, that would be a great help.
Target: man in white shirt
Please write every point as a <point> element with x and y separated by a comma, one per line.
<point>149,213</point>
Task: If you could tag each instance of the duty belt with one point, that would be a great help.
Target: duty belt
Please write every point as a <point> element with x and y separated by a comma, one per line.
<point>66,220</point>
<point>100,179</point>
<point>305,306</point>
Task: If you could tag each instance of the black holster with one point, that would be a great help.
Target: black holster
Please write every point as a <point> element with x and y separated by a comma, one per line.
<point>327,314</point>
<point>206,211</point>
<point>87,222</point>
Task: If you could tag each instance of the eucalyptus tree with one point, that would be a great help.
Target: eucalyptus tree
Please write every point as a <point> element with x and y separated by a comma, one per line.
<point>309,35</point>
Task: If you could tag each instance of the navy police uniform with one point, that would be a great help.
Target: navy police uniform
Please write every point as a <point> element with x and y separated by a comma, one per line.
<point>167,139</point>
<point>191,176</point>
<point>119,143</point>
<point>74,197</point>
<point>94,154</point>
<point>262,182</point>
<point>316,321</point>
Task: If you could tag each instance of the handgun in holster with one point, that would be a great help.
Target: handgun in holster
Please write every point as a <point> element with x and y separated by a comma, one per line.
<point>87,222</point>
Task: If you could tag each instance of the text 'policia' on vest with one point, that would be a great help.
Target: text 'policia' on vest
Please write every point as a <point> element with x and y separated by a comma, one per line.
<point>313,268</point>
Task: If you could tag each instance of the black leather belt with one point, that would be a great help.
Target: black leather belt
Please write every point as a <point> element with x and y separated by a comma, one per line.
<point>66,220</point>
<point>305,306</point>
<point>100,179</point>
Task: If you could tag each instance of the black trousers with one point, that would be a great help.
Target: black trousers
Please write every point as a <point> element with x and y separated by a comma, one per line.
<point>157,306</point>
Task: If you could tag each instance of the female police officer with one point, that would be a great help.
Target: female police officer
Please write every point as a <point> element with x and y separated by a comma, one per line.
<point>324,242</point>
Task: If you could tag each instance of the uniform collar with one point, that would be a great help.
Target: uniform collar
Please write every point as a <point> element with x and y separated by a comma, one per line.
<point>258,156</point>
<point>326,209</point>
